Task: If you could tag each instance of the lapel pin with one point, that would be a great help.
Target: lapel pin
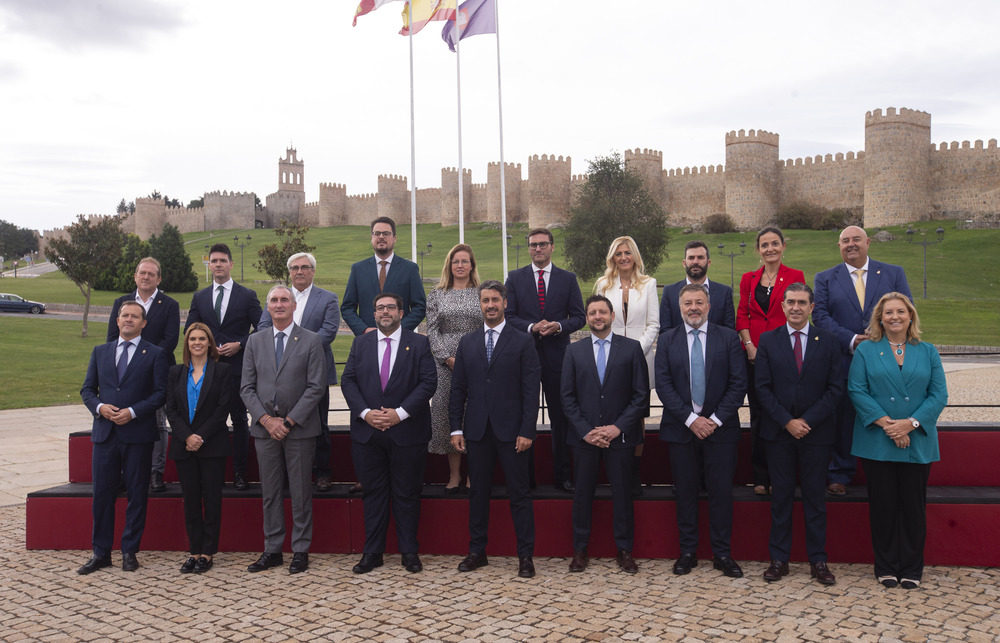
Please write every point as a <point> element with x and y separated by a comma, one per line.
<point>143,351</point>
<point>296,338</point>
<point>407,348</point>
<point>878,272</point>
<point>880,354</point>
<point>816,338</point>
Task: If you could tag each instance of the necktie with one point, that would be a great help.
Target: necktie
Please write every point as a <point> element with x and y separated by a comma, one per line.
<point>859,287</point>
<point>123,360</point>
<point>797,349</point>
<point>218,304</point>
<point>489,345</point>
<point>602,359</point>
<point>381,274</point>
<point>697,370</point>
<point>279,348</point>
<point>541,290</point>
<point>386,356</point>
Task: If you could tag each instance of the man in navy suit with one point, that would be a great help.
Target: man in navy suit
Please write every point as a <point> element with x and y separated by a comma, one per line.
<point>701,381</point>
<point>389,380</point>
<point>126,383</point>
<point>163,326</point>
<point>605,383</point>
<point>845,296</point>
<point>316,310</point>
<point>230,311</point>
<point>799,383</point>
<point>545,302</point>
<point>696,262</point>
<point>493,413</point>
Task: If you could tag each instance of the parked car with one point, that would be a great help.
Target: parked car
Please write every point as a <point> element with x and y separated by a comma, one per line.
<point>15,304</point>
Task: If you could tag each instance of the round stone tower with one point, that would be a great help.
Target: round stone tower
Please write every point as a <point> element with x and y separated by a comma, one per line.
<point>752,178</point>
<point>649,165</point>
<point>897,166</point>
<point>548,190</point>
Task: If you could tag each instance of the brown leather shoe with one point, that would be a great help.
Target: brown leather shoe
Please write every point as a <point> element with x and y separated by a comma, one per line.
<point>836,489</point>
<point>356,488</point>
<point>775,571</point>
<point>822,573</point>
<point>625,562</point>
<point>580,560</point>
<point>323,484</point>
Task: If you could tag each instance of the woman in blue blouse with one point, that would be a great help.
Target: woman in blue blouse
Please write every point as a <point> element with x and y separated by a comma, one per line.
<point>197,405</point>
<point>898,387</point>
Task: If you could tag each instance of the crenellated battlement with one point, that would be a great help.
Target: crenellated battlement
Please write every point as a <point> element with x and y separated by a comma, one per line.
<point>903,115</point>
<point>363,197</point>
<point>753,136</point>
<point>392,177</point>
<point>549,158</point>
<point>695,171</point>
<point>643,153</point>
<point>334,186</point>
<point>955,146</point>
<point>819,159</point>
<point>506,165</point>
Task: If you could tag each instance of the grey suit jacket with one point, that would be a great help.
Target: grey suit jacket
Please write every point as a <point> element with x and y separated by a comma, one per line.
<point>321,316</point>
<point>290,390</point>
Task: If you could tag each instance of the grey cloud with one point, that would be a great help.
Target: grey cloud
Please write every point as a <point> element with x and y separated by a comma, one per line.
<point>75,24</point>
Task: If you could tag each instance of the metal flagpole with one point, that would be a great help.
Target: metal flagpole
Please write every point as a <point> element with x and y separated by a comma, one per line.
<point>503,182</point>
<point>458,69</point>
<point>413,146</point>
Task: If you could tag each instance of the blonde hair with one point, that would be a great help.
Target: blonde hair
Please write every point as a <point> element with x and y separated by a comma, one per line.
<point>448,279</point>
<point>608,280</point>
<point>875,331</point>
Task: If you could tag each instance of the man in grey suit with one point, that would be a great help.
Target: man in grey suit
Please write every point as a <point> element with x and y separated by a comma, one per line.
<point>284,374</point>
<point>316,310</point>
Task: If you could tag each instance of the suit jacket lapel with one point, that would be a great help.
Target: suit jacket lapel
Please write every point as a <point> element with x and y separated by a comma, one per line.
<point>530,272</point>
<point>138,352</point>
<point>206,384</point>
<point>498,345</point>
<point>292,335</point>
<point>873,288</point>
<point>888,361</point>
<point>755,279</point>
<point>846,282</point>
<point>402,357</point>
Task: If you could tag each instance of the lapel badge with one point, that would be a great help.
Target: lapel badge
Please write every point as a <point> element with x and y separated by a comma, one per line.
<point>878,272</point>
<point>144,351</point>
<point>816,338</point>
<point>296,338</point>
<point>407,348</point>
<point>880,353</point>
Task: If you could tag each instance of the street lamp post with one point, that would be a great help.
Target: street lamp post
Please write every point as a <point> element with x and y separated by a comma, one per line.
<point>732,261</point>
<point>422,253</point>
<point>925,243</point>
<point>518,246</point>
<point>241,244</point>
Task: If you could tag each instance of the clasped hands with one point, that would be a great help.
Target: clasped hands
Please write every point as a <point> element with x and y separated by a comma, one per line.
<point>193,442</point>
<point>382,419</point>
<point>275,427</point>
<point>601,436</point>
<point>897,430</point>
<point>545,327</point>
<point>703,427</point>
<point>115,414</point>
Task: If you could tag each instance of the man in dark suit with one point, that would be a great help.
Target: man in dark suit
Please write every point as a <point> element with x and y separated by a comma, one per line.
<point>701,381</point>
<point>696,262</point>
<point>316,310</point>
<point>799,384</point>
<point>230,311</point>
<point>494,396</point>
<point>163,327</point>
<point>545,302</point>
<point>389,380</point>
<point>126,382</point>
<point>284,374</point>
<point>383,272</point>
<point>845,297</point>
<point>605,382</point>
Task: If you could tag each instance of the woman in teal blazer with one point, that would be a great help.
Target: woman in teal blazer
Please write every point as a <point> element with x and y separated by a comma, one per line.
<point>898,387</point>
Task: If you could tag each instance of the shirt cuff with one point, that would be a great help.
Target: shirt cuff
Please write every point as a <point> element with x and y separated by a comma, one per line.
<point>98,409</point>
<point>456,433</point>
<point>401,413</point>
<point>132,411</point>
<point>690,419</point>
<point>530,326</point>
<point>715,419</point>
<point>364,413</point>
<point>850,347</point>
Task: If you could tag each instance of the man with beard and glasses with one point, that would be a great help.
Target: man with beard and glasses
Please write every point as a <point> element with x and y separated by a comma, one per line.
<point>696,262</point>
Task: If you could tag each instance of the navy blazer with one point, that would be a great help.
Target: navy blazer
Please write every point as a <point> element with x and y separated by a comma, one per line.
<point>837,309</point>
<point>143,389</point>
<point>242,314</point>
<point>720,297</point>
<point>563,304</point>
<point>402,279</point>
<point>411,386</point>
<point>725,383</point>
<point>502,393</point>
<point>785,394</point>
<point>163,322</point>
<point>621,400</point>
<point>321,316</point>
<point>209,414</point>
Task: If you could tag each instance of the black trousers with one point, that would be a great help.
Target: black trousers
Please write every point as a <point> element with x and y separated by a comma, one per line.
<point>483,455</point>
<point>758,452</point>
<point>115,462</point>
<point>321,467</point>
<point>551,382</point>
<point>201,484</point>
<point>812,461</point>
<point>715,463</point>
<point>897,510</point>
<point>618,463</point>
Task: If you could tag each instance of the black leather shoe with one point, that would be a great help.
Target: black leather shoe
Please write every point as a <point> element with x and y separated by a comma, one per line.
<point>580,561</point>
<point>94,564</point>
<point>367,563</point>
<point>412,563</point>
<point>888,582</point>
<point>626,563</point>
<point>728,566</point>
<point>822,573</point>
<point>323,484</point>
<point>129,562</point>
<point>472,562</point>
<point>525,568</point>
<point>203,565</point>
<point>189,565</point>
<point>300,563</point>
<point>906,583</point>
<point>240,482</point>
<point>266,561</point>
<point>685,563</point>
<point>566,486</point>
<point>156,482</point>
<point>453,491</point>
<point>775,571</point>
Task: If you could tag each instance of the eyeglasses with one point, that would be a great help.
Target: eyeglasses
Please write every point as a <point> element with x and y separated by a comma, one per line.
<point>460,262</point>
<point>382,233</point>
<point>305,268</point>
<point>386,307</point>
<point>541,245</point>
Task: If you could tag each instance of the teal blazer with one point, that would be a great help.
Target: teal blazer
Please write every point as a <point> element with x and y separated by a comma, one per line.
<point>879,388</point>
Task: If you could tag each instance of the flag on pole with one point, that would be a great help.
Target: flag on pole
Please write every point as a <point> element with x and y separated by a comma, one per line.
<point>425,11</point>
<point>474,17</point>
<point>367,6</point>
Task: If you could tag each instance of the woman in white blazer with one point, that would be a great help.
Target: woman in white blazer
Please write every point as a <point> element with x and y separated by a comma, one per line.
<point>637,309</point>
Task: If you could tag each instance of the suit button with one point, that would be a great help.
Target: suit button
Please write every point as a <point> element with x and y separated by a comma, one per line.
<point>892,399</point>
<point>488,380</point>
<point>906,399</point>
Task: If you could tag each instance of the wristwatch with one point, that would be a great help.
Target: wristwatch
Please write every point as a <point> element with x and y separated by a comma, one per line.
<point>915,423</point>
<point>287,424</point>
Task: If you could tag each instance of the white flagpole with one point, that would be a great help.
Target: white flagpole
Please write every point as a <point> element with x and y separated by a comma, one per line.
<point>503,182</point>
<point>413,145</point>
<point>458,70</point>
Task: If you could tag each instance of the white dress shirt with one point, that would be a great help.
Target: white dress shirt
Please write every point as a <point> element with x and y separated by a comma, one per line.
<point>380,355</point>
<point>704,343</point>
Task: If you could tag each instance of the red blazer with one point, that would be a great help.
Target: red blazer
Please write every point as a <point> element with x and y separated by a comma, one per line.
<point>749,315</point>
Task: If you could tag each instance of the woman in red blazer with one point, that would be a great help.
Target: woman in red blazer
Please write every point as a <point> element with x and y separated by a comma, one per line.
<point>761,292</point>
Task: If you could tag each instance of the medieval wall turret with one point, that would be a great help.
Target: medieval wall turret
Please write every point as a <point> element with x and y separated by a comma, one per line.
<point>449,195</point>
<point>548,190</point>
<point>752,177</point>
<point>393,198</point>
<point>897,166</point>
<point>512,194</point>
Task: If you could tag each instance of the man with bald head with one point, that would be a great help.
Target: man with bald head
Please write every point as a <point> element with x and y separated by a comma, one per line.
<point>845,296</point>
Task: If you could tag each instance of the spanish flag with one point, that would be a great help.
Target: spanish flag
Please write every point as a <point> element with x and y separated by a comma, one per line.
<point>425,11</point>
<point>367,6</point>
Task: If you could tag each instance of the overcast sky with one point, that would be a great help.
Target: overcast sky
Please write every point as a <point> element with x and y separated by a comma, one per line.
<point>115,98</point>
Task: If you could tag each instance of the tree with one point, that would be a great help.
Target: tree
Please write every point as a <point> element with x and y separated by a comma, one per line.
<point>274,256</point>
<point>176,270</point>
<point>16,242</point>
<point>92,248</point>
<point>120,277</point>
<point>613,203</point>
<point>196,203</point>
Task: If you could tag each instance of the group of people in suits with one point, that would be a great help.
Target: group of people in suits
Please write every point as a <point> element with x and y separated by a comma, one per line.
<point>700,352</point>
